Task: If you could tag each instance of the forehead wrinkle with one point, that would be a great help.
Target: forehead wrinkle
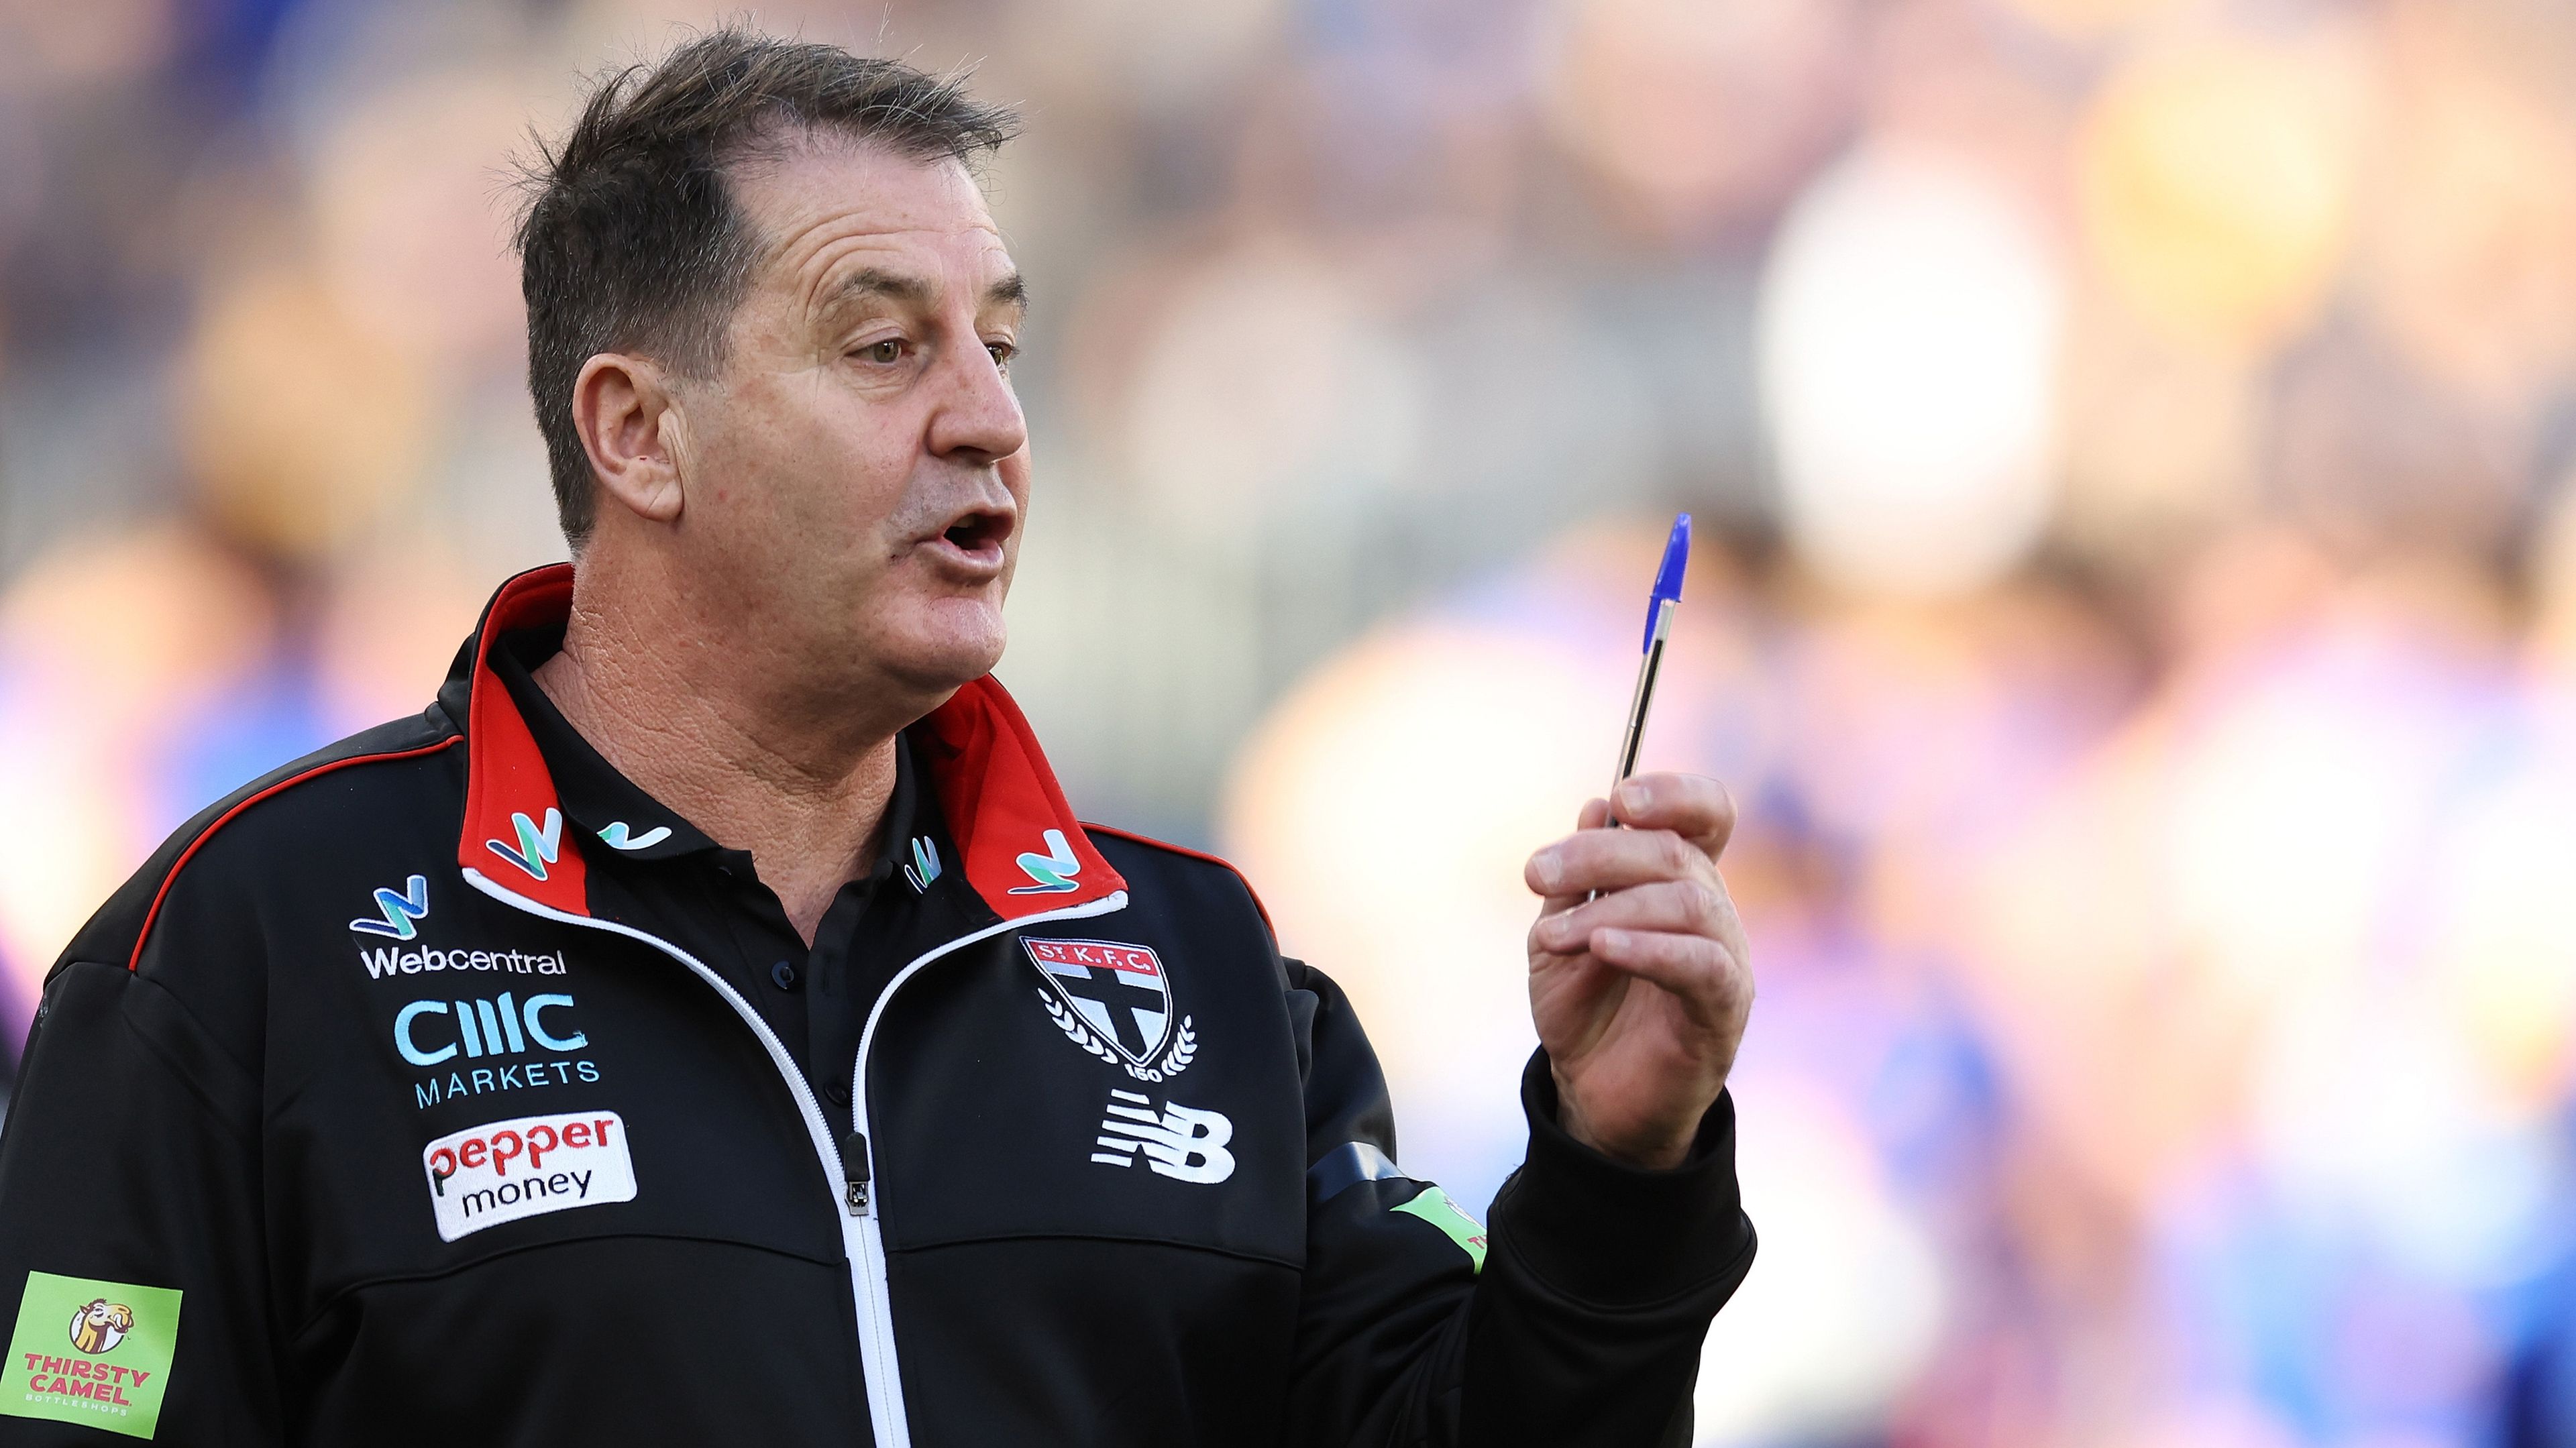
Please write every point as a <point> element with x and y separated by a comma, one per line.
<point>819,251</point>
<point>877,281</point>
<point>895,281</point>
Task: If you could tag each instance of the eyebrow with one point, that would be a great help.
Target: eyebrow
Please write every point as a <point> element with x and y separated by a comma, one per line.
<point>1010,291</point>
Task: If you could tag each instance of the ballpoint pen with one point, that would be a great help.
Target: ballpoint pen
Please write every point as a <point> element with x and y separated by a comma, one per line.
<point>1660,606</point>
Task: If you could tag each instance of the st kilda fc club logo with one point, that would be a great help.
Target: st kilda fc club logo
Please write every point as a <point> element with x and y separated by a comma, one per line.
<point>1115,1002</point>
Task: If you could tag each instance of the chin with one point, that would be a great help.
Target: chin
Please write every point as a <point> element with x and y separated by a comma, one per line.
<point>950,652</point>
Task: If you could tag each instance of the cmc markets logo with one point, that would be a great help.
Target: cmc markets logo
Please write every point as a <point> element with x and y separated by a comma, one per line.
<point>495,1029</point>
<point>504,1028</point>
<point>99,1325</point>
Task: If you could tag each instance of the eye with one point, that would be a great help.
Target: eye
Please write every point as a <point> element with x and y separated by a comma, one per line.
<point>1002,352</point>
<point>884,353</point>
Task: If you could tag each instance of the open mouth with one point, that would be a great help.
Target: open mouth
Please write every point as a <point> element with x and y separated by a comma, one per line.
<point>977,531</point>
<point>978,535</point>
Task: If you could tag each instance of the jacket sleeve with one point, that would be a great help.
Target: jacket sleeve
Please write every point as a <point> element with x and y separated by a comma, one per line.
<point>130,1161</point>
<point>1576,1319</point>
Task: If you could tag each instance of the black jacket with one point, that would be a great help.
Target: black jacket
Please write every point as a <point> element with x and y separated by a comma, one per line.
<point>428,1152</point>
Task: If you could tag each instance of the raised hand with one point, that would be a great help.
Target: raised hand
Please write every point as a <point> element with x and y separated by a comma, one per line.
<point>1640,995</point>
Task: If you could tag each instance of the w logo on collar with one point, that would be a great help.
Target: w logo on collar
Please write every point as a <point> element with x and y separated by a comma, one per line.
<point>1053,871</point>
<point>400,910</point>
<point>621,836</point>
<point>537,848</point>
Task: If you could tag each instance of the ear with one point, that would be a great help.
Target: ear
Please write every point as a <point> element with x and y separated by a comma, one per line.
<point>628,417</point>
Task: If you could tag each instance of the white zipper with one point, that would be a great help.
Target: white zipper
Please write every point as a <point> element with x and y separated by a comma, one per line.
<point>861,1241</point>
<point>876,1307</point>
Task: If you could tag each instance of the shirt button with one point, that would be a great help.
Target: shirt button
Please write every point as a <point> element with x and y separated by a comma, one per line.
<point>783,976</point>
<point>839,1093</point>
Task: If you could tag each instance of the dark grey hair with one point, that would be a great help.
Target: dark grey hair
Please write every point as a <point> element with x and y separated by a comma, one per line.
<point>630,240</point>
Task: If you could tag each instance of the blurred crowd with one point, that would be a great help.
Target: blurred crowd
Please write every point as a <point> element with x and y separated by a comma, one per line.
<point>2132,442</point>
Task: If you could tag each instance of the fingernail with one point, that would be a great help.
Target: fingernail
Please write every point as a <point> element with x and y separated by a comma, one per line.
<point>1609,939</point>
<point>1636,797</point>
<point>1549,868</point>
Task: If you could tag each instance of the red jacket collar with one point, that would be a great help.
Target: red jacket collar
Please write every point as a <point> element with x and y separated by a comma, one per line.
<point>1024,852</point>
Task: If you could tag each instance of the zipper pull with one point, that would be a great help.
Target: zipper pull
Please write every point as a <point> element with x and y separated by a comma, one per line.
<point>854,1165</point>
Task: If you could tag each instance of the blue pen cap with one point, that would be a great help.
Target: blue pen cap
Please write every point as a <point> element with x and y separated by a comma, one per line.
<point>1668,579</point>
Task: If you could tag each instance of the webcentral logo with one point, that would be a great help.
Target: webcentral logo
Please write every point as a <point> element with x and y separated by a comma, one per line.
<point>384,961</point>
<point>489,1027</point>
<point>1053,871</point>
<point>537,847</point>
<point>400,910</point>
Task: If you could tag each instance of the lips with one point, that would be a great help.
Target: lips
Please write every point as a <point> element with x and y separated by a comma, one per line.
<point>972,541</point>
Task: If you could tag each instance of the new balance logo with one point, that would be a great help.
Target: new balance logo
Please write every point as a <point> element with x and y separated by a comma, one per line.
<point>1183,1142</point>
<point>537,848</point>
<point>400,910</point>
<point>1053,871</point>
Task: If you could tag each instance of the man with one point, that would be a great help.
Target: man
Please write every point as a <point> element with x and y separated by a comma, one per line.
<point>707,1022</point>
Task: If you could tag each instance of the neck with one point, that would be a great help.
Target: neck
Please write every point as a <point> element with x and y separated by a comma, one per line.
<point>714,727</point>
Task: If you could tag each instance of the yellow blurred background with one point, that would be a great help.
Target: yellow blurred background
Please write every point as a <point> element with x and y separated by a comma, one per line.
<point>2132,442</point>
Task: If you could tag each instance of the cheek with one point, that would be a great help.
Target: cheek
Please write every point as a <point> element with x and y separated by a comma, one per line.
<point>799,456</point>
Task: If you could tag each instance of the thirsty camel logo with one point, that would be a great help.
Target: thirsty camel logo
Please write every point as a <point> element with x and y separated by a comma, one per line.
<point>99,1325</point>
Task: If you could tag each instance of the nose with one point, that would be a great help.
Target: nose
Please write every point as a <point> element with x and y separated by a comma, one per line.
<point>978,421</point>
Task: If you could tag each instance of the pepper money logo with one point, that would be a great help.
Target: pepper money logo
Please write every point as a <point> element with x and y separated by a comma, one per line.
<point>575,1159</point>
<point>400,911</point>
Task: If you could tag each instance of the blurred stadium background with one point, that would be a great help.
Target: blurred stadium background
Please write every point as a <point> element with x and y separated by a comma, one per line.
<point>2141,436</point>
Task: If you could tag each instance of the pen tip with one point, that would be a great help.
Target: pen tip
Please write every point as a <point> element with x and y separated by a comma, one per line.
<point>1668,579</point>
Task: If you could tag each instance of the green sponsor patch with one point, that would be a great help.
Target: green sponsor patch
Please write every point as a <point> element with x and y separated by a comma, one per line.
<point>92,1352</point>
<point>1433,1205</point>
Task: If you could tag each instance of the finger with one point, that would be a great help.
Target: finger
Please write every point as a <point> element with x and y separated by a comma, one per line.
<point>1605,860</point>
<point>1693,806</point>
<point>1691,907</point>
<point>1594,815</point>
<point>1697,969</point>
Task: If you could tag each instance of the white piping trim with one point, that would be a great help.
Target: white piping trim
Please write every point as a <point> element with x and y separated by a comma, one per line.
<point>861,1240</point>
<point>877,1324</point>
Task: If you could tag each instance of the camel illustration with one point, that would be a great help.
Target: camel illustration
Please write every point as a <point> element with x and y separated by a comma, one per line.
<point>101,1325</point>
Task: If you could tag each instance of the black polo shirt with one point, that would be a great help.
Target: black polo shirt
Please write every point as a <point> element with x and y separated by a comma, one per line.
<point>663,874</point>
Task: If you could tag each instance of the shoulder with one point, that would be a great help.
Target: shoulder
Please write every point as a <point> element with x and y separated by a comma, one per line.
<point>269,832</point>
<point>1169,868</point>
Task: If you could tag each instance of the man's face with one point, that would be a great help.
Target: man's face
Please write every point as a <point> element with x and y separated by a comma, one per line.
<point>856,474</point>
